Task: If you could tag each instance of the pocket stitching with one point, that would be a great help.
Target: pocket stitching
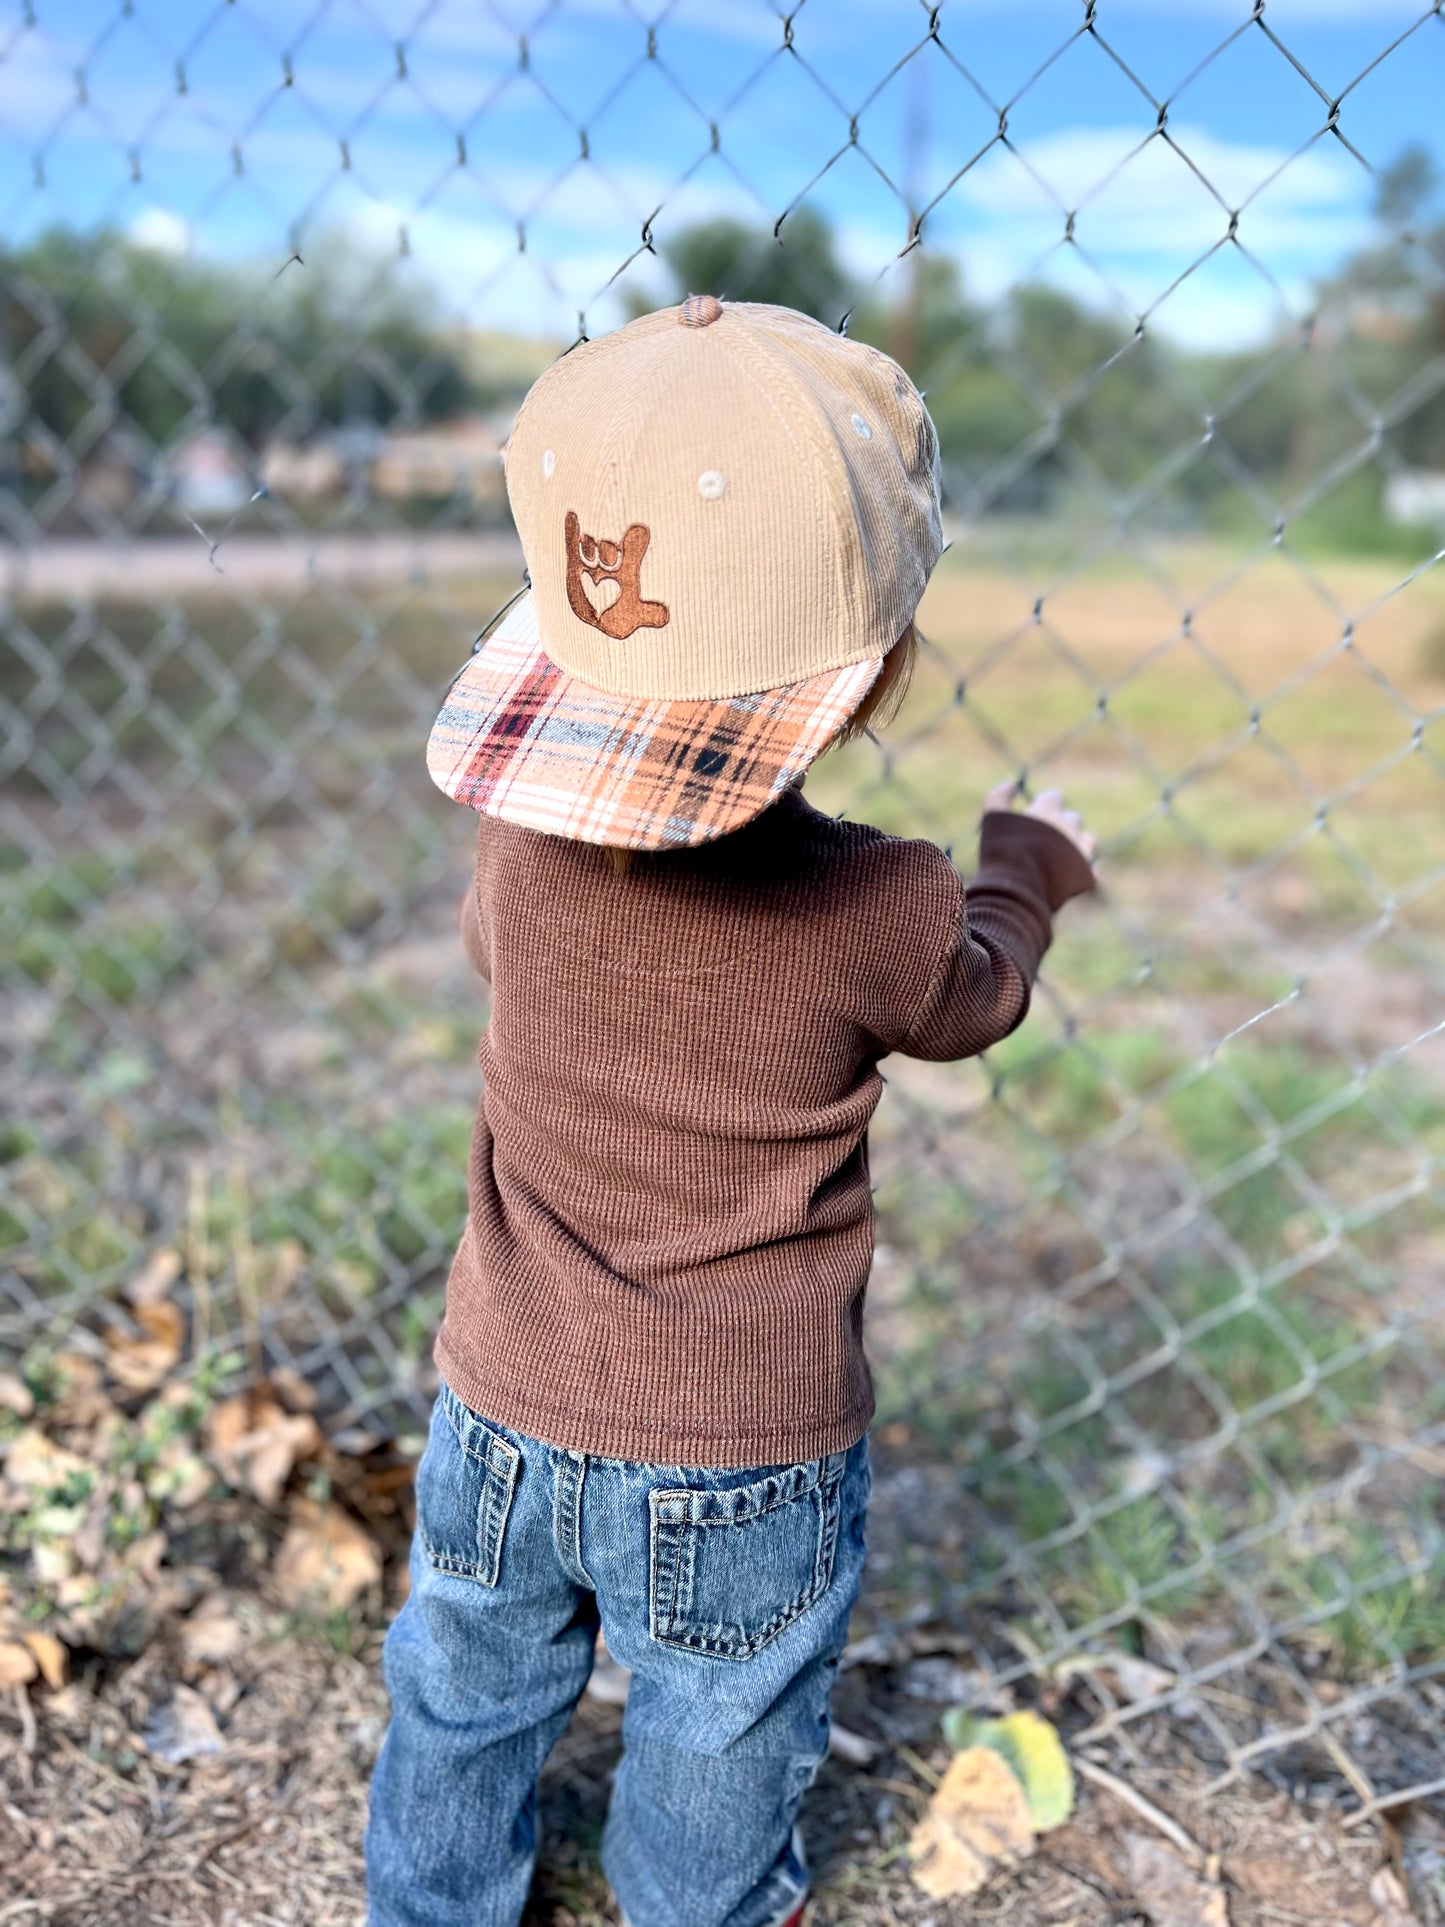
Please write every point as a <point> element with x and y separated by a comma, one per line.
<point>494,1502</point>
<point>827,1486</point>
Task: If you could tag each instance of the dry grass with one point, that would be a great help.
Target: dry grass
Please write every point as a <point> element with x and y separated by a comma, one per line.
<point>1250,714</point>
<point>96,1831</point>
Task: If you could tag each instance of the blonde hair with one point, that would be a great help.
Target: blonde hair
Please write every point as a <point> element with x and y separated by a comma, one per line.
<point>886,696</point>
<point>882,703</point>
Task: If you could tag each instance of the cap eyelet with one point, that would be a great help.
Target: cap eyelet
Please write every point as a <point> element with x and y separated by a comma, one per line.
<point>711,484</point>
<point>549,462</point>
<point>861,429</point>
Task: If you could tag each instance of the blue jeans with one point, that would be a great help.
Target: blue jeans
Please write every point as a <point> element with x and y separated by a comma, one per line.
<point>725,1591</point>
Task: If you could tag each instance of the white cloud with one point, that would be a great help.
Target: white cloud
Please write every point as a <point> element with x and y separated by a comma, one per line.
<point>1283,13</point>
<point>1155,188</point>
<point>1144,223</point>
<point>161,231</point>
<point>37,83</point>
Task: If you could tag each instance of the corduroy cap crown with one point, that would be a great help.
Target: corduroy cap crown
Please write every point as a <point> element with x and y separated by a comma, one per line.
<point>729,515</point>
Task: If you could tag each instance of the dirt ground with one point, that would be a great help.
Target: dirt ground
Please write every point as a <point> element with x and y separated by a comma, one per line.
<point>202,1755</point>
<point>97,1832</point>
<point>219,1775</point>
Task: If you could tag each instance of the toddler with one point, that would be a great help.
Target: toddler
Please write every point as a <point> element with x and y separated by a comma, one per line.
<point>654,1397</point>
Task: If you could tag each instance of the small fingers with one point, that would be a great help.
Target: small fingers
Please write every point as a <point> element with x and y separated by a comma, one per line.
<point>1048,804</point>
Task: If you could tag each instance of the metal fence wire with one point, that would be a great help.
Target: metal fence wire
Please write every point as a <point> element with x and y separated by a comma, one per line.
<point>1158,1315</point>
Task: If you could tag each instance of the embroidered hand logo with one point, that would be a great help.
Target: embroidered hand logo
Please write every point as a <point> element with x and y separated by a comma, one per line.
<point>611,562</point>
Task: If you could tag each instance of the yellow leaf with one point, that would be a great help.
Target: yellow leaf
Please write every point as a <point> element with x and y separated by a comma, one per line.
<point>1035,1752</point>
<point>976,1824</point>
<point>17,1663</point>
<point>50,1656</point>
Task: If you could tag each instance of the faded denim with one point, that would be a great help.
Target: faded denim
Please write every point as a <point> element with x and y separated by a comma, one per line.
<point>725,1591</point>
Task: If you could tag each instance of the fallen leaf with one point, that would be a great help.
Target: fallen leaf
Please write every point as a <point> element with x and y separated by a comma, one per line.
<point>1133,1679</point>
<point>179,1476</point>
<point>16,1396</point>
<point>52,1564</point>
<point>17,1663</point>
<point>227,1424</point>
<point>1418,1835</point>
<point>155,1277</point>
<point>1166,1888</point>
<point>50,1656</point>
<point>211,1633</point>
<point>288,1263</point>
<point>254,1442</point>
<point>1034,1751</point>
<point>1389,1893</point>
<point>37,1464</point>
<point>296,1393</point>
<point>942,1680</point>
<point>976,1824</point>
<point>140,1364</point>
<point>77,1398</point>
<point>183,1729</point>
<point>326,1560</point>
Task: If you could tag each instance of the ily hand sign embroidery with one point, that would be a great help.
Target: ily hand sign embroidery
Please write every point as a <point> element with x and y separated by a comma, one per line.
<point>607,563</point>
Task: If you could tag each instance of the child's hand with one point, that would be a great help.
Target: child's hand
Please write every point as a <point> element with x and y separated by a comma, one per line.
<point>1048,804</point>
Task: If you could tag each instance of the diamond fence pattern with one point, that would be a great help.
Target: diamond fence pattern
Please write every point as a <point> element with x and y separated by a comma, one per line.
<point>1160,1295</point>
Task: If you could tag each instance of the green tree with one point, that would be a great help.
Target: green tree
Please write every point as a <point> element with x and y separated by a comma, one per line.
<point>924,320</point>
<point>96,332</point>
<point>1406,188</point>
<point>797,268</point>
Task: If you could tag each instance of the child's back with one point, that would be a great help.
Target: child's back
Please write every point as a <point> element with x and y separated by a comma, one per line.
<point>671,1225</point>
<point>654,1402</point>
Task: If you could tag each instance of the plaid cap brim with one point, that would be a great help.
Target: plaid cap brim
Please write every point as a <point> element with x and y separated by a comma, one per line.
<point>519,738</point>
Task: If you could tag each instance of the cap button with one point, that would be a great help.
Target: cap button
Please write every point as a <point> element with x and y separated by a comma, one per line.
<point>699,311</point>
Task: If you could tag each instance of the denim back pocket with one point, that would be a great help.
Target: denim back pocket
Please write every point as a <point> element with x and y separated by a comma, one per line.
<point>733,1569</point>
<point>464,1488</point>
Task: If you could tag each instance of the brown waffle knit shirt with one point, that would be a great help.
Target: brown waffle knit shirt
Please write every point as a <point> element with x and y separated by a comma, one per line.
<point>670,1225</point>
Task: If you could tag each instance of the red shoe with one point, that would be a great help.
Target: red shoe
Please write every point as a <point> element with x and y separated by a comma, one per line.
<point>794,1919</point>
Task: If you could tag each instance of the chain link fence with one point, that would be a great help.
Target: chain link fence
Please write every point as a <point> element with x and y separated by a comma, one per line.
<point>1158,1315</point>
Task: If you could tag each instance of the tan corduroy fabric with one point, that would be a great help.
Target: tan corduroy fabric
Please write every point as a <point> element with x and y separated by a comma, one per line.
<point>670,1224</point>
<point>750,501</point>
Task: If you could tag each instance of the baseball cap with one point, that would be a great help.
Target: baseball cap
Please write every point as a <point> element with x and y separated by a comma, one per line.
<point>728,514</point>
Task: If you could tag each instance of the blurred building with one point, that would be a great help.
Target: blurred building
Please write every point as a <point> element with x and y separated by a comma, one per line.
<point>459,459</point>
<point>1416,496</point>
<point>206,475</point>
<point>443,461</point>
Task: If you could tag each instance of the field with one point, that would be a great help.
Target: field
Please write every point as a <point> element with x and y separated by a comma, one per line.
<point>1157,1318</point>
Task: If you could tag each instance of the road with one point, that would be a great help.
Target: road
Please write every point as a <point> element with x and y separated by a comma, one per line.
<point>78,567</point>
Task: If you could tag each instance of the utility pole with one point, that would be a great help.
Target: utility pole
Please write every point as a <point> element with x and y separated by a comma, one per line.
<point>908,314</point>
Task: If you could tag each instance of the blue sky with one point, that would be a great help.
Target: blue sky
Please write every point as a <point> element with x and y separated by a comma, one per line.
<point>235,127</point>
